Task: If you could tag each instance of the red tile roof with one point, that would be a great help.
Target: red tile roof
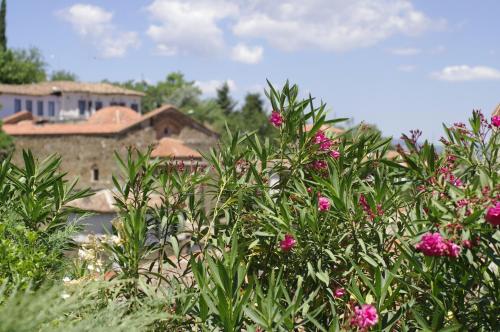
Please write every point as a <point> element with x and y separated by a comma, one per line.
<point>109,120</point>
<point>51,87</point>
<point>169,147</point>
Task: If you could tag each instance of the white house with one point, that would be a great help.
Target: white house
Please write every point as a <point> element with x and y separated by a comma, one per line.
<point>65,100</point>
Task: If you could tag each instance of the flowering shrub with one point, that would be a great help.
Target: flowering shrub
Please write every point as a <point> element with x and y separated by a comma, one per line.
<point>316,229</point>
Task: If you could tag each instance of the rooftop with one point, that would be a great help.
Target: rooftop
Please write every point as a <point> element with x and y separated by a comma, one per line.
<point>54,87</point>
<point>109,120</point>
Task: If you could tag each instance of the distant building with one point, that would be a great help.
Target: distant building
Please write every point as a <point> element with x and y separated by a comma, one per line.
<point>87,147</point>
<point>65,100</point>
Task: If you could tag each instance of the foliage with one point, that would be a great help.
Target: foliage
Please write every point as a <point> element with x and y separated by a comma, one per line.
<point>22,66</point>
<point>63,75</point>
<point>6,143</point>
<point>3,26</point>
<point>304,230</point>
<point>33,222</point>
<point>224,100</point>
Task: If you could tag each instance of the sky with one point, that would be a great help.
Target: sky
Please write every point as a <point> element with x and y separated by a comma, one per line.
<point>398,64</point>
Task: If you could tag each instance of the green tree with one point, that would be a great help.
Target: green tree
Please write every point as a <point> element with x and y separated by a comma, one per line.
<point>22,66</point>
<point>224,99</point>
<point>253,117</point>
<point>3,26</point>
<point>63,75</point>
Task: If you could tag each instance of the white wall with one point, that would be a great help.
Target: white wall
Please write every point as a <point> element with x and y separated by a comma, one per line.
<point>70,110</point>
<point>7,104</point>
<point>66,105</point>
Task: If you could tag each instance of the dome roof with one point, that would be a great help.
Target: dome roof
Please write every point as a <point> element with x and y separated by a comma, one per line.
<point>118,115</point>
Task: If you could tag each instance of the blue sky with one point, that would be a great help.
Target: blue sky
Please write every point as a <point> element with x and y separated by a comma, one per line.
<point>399,64</point>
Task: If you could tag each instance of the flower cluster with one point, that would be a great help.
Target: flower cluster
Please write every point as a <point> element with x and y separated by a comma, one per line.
<point>495,120</point>
<point>323,204</point>
<point>493,215</point>
<point>364,317</point>
<point>288,243</point>
<point>433,244</point>
<point>276,119</point>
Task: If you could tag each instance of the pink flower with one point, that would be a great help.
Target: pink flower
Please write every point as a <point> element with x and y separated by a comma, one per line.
<point>335,154</point>
<point>364,317</point>
<point>339,292</point>
<point>276,119</point>
<point>455,181</point>
<point>323,204</point>
<point>432,244</point>
<point>288,243</point>
<point>453,250</point>
<point>493,215</point>
<point>495,120</point>
<point>319,165</point>
<point>324,142</point>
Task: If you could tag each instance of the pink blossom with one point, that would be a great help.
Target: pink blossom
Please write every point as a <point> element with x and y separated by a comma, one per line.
<point>288,243</point>
<point>493,215</point>
<point>319,165</point>
<point>364,317</point>
<point>495,120</point>
<point>453,250</point>
<point>276,119</point>
<point>455,181</point>
<point>339,292</point>
<point>432,244</point>
<point>324,142</point>
<point>335,154</point>
<point>323,204</point>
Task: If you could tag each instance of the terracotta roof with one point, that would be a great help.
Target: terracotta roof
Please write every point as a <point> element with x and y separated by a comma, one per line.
<point>48,88</point>
<point>169,147</point>
<point>18,117</point>
<point>326,128</point>
<point>96,124</point>
<point>117,115</point>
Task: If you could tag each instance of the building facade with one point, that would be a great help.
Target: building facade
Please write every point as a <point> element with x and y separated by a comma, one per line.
<point>65,100</point>
<point>87,148</point>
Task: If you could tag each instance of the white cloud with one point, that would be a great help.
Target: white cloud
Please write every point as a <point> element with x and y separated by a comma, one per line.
<point>332,25</point>
<point>247,54</point>
<point>466,73</point>
<point>95,24</point>
<point>188,26</point>
<point>200,26</point>
<point>407,68</point>
<point>209,88</point>
<point>406,51</point>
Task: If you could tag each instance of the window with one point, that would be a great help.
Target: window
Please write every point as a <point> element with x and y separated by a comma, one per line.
<point>98,105</point>
<point>135,107</point>
<point>95,174</point>
<point>90,105</point>
<point>165,131</point>
<point>82,106</point>
<point>122,104</point>
<point>113,103</point>
<point>17,105</point>
<point>52,108</point>
<point>39,108</point>
<point>29,105</point>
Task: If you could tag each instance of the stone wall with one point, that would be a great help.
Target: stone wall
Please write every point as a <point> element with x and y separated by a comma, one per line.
<point>81,154</point>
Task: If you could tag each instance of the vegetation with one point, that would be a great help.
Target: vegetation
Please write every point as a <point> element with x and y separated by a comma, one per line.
<point>303,231</point>
<point>63,75</point>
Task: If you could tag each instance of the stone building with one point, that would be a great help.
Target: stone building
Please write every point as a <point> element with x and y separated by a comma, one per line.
<point>65,100</point>
<point>87,148</point>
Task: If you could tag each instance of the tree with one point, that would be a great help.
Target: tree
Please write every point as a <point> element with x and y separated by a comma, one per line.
<point>22,66</point>
<point>224,99</point>
<point>3,26</point>
<point>63,75</point>
<point>253,117</point>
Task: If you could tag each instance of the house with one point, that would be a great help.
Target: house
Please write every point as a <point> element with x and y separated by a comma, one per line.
<point>87,147</point>
<point>65,100</point>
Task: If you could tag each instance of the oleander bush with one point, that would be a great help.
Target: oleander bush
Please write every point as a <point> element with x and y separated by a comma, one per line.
<point>312,230</point>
